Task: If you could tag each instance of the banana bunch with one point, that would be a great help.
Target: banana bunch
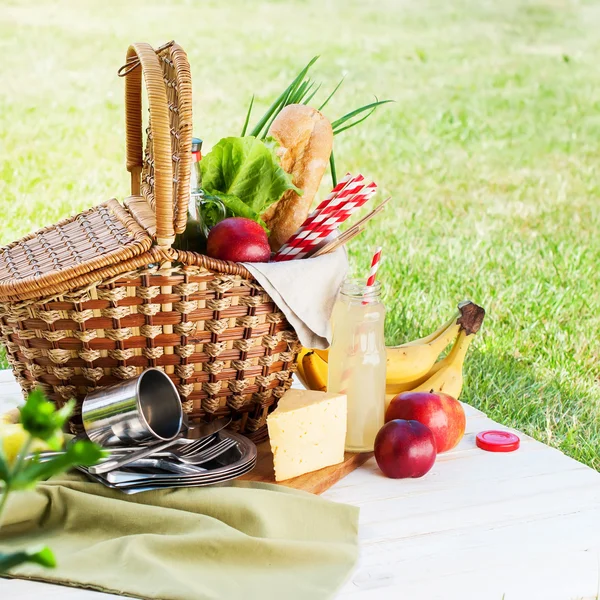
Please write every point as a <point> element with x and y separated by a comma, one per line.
<point>312,369</point>
<point>414,366</point>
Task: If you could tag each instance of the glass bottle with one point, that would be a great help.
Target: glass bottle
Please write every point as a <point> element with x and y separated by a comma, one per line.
<point>204,211</point>
<point>357,360</point>
<point>195,175</point>
<point>192,239</point>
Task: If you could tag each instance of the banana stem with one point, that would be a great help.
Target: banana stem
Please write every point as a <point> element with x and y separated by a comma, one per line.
<point>471,316</point>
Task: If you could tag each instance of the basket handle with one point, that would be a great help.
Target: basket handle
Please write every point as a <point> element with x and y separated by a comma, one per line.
<point>143,54</point>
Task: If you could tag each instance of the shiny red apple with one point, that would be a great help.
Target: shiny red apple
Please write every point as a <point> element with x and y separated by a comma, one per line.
<point>238,239</point>
<point>443,414</point>
<point>405,449</point>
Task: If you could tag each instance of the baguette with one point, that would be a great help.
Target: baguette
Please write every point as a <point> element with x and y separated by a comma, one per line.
<point>305,140</point>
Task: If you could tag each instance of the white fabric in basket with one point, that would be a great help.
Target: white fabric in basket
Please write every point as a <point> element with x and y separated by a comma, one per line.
<point>305,290</point>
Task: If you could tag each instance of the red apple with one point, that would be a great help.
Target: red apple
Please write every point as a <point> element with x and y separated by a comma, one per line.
<point>405,449</point>
<point>238,239</point>
<point>443,414</point>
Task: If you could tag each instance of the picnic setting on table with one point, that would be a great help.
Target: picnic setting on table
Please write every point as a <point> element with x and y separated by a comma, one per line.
<point>209,408</point>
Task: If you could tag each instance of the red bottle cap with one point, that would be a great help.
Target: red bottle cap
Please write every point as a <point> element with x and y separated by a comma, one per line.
<point>497,441</point>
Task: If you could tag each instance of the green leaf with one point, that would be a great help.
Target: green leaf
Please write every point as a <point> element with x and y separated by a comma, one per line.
<point>40,418</point>
<point>332,167</point>
<point>273,110</point>
<point>340,129</point>
<point>247,169</point>
<point>248,116</point>
<point>211,210</point>
<point>295,96</point>
<point>85,453</point>
<point>285,101</point>
<point>56,441</point>
<point>42,556</point>
<point>311,96</point>
<point>337,87</point>
<point>236,208</point>
<point>278,104</point>
<point>80,453</point>
<point>302,90</point>
<point>336,124</point>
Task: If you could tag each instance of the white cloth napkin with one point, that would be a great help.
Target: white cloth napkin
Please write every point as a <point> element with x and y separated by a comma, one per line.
<point>305,291</point>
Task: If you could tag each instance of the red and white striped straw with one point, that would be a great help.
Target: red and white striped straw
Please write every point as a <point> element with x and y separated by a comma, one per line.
<point>348,185</point>
<point>374,266</point>
<point>319,226</point>
<point>331,196</point>
<point>373,272</point>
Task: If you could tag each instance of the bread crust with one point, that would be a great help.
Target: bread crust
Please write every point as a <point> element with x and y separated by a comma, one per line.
<point>305,140</point>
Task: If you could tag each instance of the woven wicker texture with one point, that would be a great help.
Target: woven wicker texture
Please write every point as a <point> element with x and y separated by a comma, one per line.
<point>104,235</point>
<point>100,297</point>
<point>227,348</point>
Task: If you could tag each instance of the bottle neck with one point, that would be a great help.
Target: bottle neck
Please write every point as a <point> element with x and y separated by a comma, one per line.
<point>196,176</point>
<point>357,291</point>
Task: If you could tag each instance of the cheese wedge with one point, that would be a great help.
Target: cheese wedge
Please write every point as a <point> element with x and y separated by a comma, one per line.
<point>307,431</point>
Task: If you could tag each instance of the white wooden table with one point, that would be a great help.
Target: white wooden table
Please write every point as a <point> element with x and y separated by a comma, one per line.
<point>479,526</point>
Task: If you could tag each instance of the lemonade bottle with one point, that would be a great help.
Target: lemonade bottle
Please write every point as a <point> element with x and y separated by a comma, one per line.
<point>357,360</point>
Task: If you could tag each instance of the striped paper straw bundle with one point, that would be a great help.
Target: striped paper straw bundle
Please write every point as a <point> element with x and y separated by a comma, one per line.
<point>345,199</point>
<point>332,200</point>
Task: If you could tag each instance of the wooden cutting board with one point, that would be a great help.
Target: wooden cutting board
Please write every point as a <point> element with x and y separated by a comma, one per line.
<point>316,482</point>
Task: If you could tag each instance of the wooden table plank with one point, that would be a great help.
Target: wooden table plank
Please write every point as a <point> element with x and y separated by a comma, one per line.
<point>521,525</point>
<point>478,526</point>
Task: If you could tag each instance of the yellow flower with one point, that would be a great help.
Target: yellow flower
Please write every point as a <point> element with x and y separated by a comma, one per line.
<point>12,438</point>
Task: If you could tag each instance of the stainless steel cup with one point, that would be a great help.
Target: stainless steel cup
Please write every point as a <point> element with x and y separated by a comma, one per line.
<point>144,408</point>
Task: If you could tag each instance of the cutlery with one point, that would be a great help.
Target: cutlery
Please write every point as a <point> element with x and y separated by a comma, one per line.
<point>205,430</point>
<point>176,471</point>
<point>125,459</point>
<point>182,481</point>
<point>126,450</point>
<point>139,487</point>
<point>163,464</point>
<point>208,455</point>
<point>243,461</point>
<point>193,459</point>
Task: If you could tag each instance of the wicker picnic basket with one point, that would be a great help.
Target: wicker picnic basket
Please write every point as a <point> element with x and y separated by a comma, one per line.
<point>99,297</point>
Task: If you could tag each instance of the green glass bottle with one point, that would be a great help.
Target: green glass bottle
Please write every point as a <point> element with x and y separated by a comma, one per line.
<point>204,211</point>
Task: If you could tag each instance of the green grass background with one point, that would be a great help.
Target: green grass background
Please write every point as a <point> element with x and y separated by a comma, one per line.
<point>490,152</point>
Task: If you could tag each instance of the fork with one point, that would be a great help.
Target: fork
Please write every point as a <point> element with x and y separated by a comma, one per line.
<point>119,451</point>
<point>207,455</point>
<point>121,477</point>
<point>121,461</point>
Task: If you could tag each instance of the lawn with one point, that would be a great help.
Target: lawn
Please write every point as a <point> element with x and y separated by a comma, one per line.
<point>490,154</point>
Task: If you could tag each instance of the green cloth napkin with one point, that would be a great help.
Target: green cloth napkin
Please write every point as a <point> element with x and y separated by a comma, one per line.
<point>245,540</point>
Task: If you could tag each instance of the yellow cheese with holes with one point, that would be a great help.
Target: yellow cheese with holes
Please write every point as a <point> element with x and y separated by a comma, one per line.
<point>307,431</point>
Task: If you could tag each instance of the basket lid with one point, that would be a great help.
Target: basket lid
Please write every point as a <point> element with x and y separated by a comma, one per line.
<point>47,261</point>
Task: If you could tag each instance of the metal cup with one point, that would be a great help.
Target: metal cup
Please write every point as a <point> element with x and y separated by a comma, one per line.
<point>143,408</point>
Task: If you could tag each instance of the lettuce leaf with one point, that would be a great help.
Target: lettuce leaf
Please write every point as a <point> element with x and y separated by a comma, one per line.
<point>245,173</point>
<point>237,208</point>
